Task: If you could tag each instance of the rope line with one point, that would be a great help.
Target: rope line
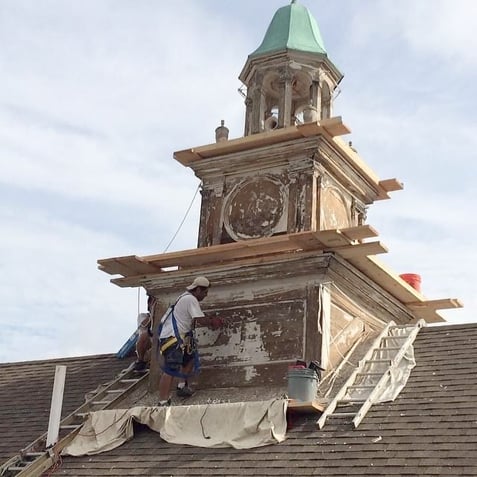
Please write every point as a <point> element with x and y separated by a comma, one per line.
<point>183,220</point>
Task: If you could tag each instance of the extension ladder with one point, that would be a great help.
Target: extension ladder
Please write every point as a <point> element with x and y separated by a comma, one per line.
<point>383,357</point>
<point>35,459</point>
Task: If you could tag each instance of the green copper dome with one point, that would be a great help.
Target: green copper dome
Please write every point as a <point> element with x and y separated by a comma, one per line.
<point>292,28</point>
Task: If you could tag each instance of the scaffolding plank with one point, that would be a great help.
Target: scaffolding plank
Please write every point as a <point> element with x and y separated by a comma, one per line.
<point>441,304</point>
<point>333,238</point>
<point>361,250</point>
<point>134,266</point>
<point>360,232</point>
<point>306,406</point>
<point>128,265</point>
<point>386,186</point>
<point>391,185</point>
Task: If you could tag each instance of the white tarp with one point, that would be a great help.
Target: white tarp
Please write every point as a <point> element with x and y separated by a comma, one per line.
<point>240,425</point>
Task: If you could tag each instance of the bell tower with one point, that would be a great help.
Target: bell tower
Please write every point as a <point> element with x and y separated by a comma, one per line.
<point>282,232</point>
<point>289,78</point>
<point>290,172</point>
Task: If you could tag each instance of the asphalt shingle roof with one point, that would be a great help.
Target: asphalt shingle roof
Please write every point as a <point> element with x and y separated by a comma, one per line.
<point>25,394</point>
<point>429,430</point>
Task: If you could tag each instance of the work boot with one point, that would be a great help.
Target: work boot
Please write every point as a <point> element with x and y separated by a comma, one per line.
<point>185,391</point>
<point>164,403</point>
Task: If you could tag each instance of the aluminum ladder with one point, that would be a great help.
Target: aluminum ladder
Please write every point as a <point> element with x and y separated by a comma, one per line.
<point>35,459</point>
<point>386,354</point>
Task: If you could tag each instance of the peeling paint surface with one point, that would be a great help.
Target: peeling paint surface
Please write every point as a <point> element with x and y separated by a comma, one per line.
<point>256,334</point>
<point>250,373</point>
<point>256,207</point>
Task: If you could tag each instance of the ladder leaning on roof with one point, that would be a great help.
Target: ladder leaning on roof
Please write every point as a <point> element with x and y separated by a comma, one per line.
<point>35,459</point>
<point>371,383</point>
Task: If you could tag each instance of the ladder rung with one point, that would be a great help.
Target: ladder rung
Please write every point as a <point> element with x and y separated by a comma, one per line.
<point>129,380</point>
<point>378,361</point>
<point>342,414</point>
<point>100,403</point>
<point>369,374</point>
<point>388,348</point>
<point>362,386</point>
<point>351,401</point>
<point>69,426</point>
<point>115,391</point>
<point>33,454</point>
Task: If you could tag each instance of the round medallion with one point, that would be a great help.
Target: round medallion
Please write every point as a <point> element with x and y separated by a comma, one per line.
<point>255,208</point>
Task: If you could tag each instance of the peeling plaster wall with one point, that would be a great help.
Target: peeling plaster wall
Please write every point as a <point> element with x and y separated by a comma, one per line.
<point>274,316</point>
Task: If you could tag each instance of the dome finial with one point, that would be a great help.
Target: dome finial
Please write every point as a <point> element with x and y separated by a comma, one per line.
<point>292,2</point>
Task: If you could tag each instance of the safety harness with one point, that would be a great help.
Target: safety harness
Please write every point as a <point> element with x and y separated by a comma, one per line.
<point>187,344</point>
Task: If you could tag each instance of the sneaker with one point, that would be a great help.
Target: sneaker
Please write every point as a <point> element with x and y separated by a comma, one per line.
<point>164,403</point>
<point>185,391</point>
<point>140,366</point>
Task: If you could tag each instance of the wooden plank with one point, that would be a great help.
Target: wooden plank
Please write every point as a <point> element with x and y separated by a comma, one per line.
<point>387,279</point>
<point>360,250</point>
<point>306,406</point>
<point>334,126</point>
<point>113,266</point>
<point>356,161</point>
<point>138,265</point>
<point>393,284</point>
<point>388,185</point>
<point>139,280</point>
<point>223,252</point>
<point>428,315</point>
<point>173,258</point>
<point>306,242</point>
<point>441,304</point>
<point>391,185</point>
<point>206,255</point>
<point>128,265</point>
<point>254,141</point>
<point>332,238</point>
<point>360,232</point>
<point>186,156</point>
<point>56,406</point>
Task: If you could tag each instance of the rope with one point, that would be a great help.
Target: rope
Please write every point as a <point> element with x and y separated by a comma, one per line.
<point>170,242</point>
<point>183,220</point>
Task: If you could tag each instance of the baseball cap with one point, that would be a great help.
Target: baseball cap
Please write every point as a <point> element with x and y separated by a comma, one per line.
<point>198,282</point>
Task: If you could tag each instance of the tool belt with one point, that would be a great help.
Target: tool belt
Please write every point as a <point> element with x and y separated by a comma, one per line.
<point>188,344</point>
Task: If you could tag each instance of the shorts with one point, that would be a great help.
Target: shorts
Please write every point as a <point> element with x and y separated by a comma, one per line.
<point>175,356</point>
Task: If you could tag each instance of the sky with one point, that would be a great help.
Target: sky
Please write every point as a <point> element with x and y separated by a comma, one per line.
<point>95,96</point>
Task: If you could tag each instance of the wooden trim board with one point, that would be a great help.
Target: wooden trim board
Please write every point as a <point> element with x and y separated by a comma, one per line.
<point>306,406</point>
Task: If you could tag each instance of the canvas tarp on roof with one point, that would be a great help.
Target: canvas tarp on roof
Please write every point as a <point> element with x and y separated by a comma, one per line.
<point>238,425</point>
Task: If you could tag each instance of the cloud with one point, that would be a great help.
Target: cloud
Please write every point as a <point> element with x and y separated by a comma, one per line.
<point>99,95</point>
